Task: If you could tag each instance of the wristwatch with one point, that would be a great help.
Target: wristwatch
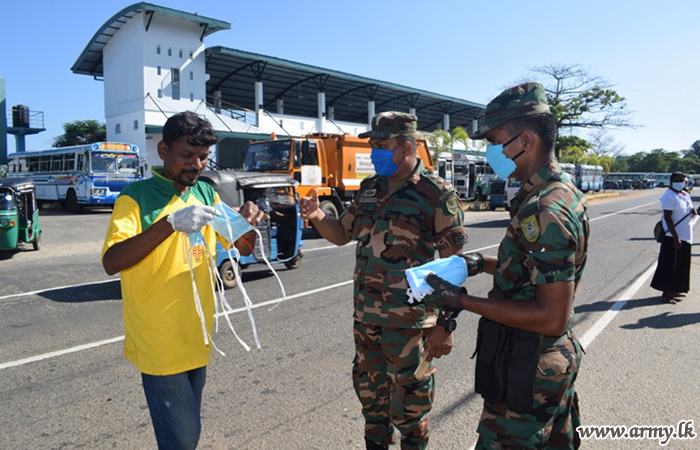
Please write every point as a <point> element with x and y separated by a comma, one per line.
<point>448,323</point>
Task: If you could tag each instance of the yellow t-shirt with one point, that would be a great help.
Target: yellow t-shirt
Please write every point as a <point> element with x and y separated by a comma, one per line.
<point>163,330</point>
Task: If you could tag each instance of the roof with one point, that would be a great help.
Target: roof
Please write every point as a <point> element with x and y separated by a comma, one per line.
<point>90,60</point>
<point>234,72</point>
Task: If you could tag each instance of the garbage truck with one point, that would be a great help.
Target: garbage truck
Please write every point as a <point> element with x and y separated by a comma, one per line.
<point>333,164</point>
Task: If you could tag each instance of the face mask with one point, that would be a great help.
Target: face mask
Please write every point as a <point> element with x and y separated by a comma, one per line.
<point>230,225</point>
<point>383,161</point>
<point>499,162</point>
<point>678,186</point>
<point>452,269</point>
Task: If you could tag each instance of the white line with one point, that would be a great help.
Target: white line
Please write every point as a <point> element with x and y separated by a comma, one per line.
<point>587,338</point>
<point>24,294</point>
<point>623,211</point>
<point>596,329</point>
<point>78,348</point>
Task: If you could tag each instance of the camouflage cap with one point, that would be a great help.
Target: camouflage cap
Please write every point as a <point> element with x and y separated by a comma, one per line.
<point>391,124</point>
<point>519,101</point>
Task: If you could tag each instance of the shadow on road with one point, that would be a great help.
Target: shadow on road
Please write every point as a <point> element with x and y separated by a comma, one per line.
<point>95,292</point>
<point>606,305</point>
<point>665,320</point>
<point>502,223</point>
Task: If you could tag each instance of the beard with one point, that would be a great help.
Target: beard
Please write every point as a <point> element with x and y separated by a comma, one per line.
<point>188,177</point>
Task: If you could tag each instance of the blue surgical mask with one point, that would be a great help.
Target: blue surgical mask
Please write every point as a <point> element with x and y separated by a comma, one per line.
<point>230,225</point>
<point>678,186</point>
<point>499,162</point>
<point>452,269</point>
<point>383,161</point>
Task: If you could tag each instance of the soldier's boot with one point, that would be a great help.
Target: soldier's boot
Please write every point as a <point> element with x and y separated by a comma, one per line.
<point>371,445</point>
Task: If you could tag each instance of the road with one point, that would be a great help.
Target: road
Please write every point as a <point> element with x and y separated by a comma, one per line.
<point>65,385</point>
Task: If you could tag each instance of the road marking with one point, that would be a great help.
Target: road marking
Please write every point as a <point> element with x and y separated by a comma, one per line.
<point>24,294</point>
<point>587,338</point>
<point>78,348</point>
<point>604,321</point>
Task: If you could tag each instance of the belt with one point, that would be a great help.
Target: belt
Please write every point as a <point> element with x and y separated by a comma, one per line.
<point>551,341</point>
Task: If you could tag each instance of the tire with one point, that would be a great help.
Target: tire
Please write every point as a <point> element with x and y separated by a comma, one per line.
<point>329,209</point>
<point>36,243</point>
<point>294,262</point>
<point>72,202</point>
<point>228,276</point>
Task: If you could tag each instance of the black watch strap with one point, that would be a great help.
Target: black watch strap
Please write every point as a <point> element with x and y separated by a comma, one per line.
<point>448,323</point>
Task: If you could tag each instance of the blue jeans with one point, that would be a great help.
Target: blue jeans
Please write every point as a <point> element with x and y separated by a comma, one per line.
<point>175,403</point>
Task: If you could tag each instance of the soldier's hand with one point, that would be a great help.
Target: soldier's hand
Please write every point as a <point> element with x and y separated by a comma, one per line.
<point>309,206</point>
<point>475,263</point>
<point>446,296</point>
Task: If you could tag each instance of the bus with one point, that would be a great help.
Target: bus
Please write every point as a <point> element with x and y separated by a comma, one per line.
<point>588,178</point>
<point>472,176</point>
<point>662,179</point>
<point>79,176</point>
<point>629,180</point>
<point>444,166</point>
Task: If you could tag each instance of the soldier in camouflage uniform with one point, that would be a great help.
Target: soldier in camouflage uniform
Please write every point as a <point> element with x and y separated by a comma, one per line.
<point>536,274</point>
<point>399,220</point>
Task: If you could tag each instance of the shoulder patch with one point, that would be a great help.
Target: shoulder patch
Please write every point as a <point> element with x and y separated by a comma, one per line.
<point>452,205</point>
<point>530,228</point>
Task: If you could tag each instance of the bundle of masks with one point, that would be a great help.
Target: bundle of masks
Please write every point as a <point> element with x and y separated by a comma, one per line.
<point>452,269</point>
<point>231,226</point>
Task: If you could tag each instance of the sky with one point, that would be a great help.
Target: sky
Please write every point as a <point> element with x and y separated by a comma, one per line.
<point>648,50</point>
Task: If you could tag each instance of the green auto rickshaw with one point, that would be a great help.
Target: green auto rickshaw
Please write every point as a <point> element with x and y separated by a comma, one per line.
<point>19,215</point>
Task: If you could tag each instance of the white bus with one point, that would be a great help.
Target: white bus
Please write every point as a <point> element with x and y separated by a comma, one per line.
<point>588,178</point>
<point>662,179</point>
<point>80,176</point>
<point>472,176</point>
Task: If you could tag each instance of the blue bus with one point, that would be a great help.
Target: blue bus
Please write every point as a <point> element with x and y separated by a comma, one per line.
<point>588,178</point>
<point>79,176</point>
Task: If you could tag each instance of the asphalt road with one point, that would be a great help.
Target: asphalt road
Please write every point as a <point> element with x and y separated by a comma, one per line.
<point>65,385</point>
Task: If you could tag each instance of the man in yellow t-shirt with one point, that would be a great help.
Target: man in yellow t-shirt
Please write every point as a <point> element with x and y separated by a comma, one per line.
<point>146,241</point>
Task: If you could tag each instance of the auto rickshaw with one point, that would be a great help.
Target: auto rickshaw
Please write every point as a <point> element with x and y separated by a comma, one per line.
<point>275,195</point>
<point>19,215</point>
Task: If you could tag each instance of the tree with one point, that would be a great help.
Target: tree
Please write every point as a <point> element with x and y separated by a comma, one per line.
<point>442,141</point>
<point>572,149</point>
<point>581,100</point>
<point>81,132</point>
<point>695,148</point>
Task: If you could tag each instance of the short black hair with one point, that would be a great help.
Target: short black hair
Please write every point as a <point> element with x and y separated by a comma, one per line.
<point>542,125</point>
<point>197,130</point>
<point>678,176</point>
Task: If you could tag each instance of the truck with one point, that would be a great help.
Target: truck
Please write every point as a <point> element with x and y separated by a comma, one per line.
<point>333,164</point>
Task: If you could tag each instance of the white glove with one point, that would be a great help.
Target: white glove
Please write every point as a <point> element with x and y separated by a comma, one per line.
<point>192,218</point>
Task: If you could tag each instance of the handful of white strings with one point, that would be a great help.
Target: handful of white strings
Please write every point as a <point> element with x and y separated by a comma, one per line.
<point>231,226</point>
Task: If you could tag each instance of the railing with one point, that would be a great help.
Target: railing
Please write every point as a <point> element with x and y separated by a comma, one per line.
<point>236,112</point>
<point>24,118</point>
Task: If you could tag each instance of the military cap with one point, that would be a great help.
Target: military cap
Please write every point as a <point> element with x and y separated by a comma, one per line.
<point>391,124</point>
<point>519,101</point>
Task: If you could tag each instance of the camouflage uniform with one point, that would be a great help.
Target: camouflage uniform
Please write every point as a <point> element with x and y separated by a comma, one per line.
<point>546,242</point>
<point>395,232</point>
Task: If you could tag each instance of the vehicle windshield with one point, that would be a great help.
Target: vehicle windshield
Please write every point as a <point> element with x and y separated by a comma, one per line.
<point>128,164</point>
<point>265,156</point>
<point>103,162</point>
<point>7,201</point>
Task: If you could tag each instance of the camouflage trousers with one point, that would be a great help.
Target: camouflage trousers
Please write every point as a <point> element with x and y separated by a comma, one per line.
<point>392,398</point>
<point>552,421</point>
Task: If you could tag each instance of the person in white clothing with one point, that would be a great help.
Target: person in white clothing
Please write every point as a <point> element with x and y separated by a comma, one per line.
<point>672,275</point>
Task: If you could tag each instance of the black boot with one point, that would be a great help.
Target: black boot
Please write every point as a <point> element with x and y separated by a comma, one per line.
<point>371,445</point>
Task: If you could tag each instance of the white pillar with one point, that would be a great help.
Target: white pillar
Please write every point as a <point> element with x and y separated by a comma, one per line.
<point>217,101</point>
<point>321,100</point>
<point>258,95</point>
<point>280,106</point>
<point>370,111</point>
<point>446,122</point>
<point>475,126</point>
<point>331,112</point>
<point>412,111</point>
